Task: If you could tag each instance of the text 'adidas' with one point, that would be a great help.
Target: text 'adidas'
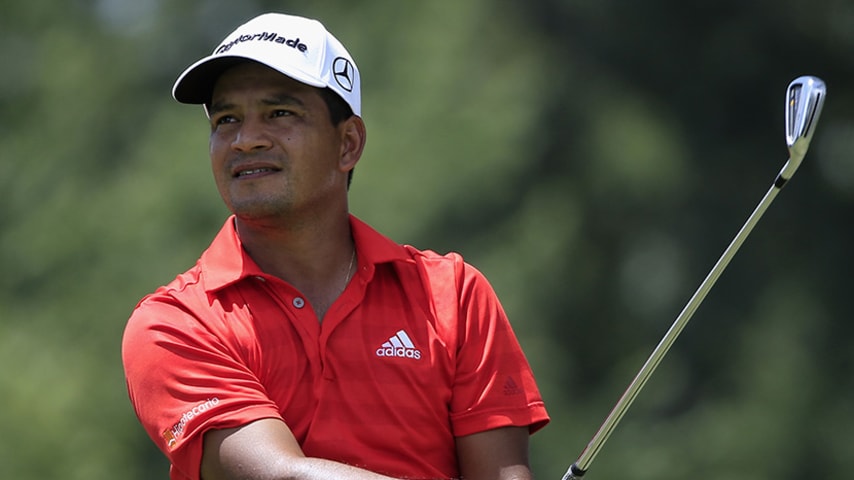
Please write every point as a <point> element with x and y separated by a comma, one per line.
<point>399,345</point>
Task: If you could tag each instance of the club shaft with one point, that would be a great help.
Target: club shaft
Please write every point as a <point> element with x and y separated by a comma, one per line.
<point>577,470</point>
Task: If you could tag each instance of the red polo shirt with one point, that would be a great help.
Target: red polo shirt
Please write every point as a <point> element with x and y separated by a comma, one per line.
<point>385,382</point>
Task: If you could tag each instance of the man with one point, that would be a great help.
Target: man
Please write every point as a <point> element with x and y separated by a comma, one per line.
<point>304,344</point>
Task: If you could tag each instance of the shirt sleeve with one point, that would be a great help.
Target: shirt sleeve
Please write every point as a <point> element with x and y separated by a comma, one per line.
<point>494,385</point>
<point>183,380</point>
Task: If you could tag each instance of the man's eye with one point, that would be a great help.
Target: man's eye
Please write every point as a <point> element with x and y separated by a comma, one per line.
<point>223,120</point>
<point>282,113</point>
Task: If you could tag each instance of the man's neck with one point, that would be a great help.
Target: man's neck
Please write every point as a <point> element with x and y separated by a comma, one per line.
<point>317,259</point>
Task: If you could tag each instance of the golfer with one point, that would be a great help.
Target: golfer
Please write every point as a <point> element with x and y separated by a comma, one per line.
<point>304,344</point>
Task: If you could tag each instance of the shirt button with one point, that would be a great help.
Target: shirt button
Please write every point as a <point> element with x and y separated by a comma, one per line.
<point>299,302</point>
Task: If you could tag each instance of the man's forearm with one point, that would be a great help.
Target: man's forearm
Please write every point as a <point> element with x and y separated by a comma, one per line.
<point>322,469</point>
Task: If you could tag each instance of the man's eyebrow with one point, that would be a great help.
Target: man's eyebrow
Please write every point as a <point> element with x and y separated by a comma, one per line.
<point>218,107</point>
<point>270,101</point>
<point>283,99</point>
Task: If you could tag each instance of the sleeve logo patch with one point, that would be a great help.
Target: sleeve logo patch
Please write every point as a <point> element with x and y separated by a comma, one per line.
<point>172,434</point>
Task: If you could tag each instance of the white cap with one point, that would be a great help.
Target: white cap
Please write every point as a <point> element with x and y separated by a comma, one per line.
<point>298,47</point>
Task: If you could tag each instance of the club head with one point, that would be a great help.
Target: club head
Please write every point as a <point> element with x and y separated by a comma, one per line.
<point>804,99</point>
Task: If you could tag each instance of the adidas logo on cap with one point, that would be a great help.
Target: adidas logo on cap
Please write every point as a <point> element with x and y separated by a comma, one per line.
<point>399,345</point>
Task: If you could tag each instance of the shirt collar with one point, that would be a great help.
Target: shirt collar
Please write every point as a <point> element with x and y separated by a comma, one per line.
<point>225,262</point>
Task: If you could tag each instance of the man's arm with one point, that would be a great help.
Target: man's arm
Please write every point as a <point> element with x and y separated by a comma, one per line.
<point>267,450</point>
<point>499,454</point>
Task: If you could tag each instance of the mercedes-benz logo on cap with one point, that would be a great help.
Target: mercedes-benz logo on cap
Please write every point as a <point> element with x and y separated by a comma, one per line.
<point>344,72</point>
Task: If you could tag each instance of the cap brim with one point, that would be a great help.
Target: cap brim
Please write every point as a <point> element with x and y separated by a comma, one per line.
<point>195,85</point>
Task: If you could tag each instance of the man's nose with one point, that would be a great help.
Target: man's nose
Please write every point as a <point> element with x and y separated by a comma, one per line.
<point>251,137</point>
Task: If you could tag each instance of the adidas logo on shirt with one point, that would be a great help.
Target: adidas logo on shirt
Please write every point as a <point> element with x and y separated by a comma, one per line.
<point>399,345</point>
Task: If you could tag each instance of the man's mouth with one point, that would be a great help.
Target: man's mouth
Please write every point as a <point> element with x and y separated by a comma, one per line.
<point>253,171</point>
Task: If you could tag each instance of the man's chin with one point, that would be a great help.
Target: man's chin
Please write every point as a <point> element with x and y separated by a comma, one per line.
<point>256,208</point>
<point>256,213</point>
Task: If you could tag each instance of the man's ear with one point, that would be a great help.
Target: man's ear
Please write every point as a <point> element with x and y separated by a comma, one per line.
<point>353,137</point>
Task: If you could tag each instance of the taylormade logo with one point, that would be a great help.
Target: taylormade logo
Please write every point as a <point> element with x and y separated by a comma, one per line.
<point>399,345</point>
<point>264,37</point>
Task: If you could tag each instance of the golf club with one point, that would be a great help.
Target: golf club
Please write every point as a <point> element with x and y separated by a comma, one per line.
<point>804,99</point>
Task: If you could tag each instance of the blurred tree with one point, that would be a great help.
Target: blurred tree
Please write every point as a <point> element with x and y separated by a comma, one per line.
<point>592,158</point>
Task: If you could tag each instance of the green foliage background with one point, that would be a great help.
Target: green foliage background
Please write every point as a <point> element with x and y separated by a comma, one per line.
<point>592,158</point>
